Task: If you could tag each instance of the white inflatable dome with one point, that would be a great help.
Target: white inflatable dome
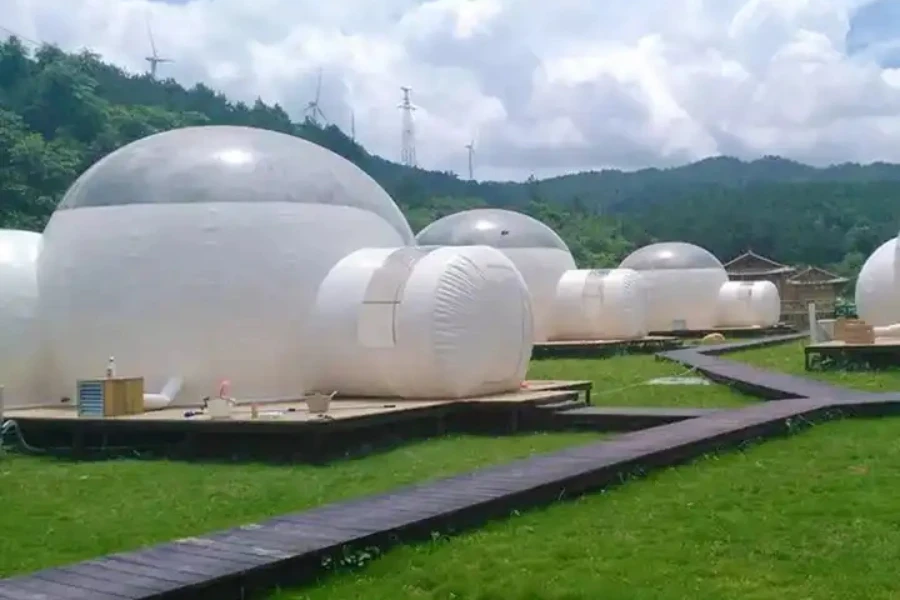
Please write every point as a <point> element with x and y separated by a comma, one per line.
<point>602,304</point>
<point>447,322</point>
<point>539,254</point>
<point>20,339</point>
<point>683,282</point>
<point>197,253</point>
<point>877,298</point>
<point>749,304</point>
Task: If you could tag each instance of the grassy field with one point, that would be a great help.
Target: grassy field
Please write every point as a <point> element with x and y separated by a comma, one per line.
<point>812,516</point>
<point>622,381</point>
<point>56,512</point>
<point>788,358</point>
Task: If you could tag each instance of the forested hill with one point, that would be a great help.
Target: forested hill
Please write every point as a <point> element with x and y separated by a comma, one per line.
<point>61,112</point>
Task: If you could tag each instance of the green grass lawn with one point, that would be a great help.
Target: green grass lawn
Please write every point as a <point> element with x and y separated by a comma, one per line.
<point>788,358</point>
<point>56,512</point>
<point>622,381</point>
<point>812,516</point>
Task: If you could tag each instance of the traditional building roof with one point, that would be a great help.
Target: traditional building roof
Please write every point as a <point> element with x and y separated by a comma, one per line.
<point>751,264</point>
<point>816,276</point>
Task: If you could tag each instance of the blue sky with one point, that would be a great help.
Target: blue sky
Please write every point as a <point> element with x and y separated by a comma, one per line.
<point>875,28</point>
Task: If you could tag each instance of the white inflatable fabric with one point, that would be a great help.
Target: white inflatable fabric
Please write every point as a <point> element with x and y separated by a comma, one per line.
<point>20,339</point>
<point>877,292</point>
<point>444,322</point>
<point>602,304</point>
<point>683,283</point>
<point>749,304</point>
<point>539,254</point>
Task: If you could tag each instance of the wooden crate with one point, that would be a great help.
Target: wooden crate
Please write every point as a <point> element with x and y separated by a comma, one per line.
<point>111,397</point>
<point>853,331</point>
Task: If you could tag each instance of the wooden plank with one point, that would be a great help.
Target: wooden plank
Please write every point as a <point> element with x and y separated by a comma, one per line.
<point>316,536</point>
<point>113,583</point>
<point>10,591</point>
<point>276,541</point>
<point>285,534</point>
<point>200,557</point>
<point>206,547</point>
<point>353,525</point>
<point>129,581</point>
<point>181,578</point>
<point>11,594</point>
<point>233,547</point>
<point>42,589</point>
<point>160,557</point>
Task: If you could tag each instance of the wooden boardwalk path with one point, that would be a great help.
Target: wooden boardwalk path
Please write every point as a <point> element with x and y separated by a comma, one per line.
<point>753,380</point>
<point>286,550</point>
<point>625,418</point>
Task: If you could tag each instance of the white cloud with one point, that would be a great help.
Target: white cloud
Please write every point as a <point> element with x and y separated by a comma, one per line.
<point>545,86</point>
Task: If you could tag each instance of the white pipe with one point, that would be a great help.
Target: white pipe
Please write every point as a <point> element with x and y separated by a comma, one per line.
<point>165,397</point>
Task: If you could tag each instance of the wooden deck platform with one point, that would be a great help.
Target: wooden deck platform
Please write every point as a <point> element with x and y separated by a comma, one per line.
<point>293,413</point>
<point>730,332</point>
<point>884,353</point>
<point>595,348</point>
<point>289,428</point>
<point>288,550</point>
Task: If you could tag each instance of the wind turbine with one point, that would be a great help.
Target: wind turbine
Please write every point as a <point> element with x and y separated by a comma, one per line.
<point>470,147</point>
<point>313,112</point>
<point>154,59</point>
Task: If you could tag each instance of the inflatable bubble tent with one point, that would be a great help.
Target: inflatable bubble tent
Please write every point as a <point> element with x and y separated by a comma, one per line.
<point>423,322</point>
<point>749,304</point>
<point>539,254</point>
<point>683,283</point>
<point>877,292</point>
<point>197,253</point>
<point>600,304</point>
<point>20,342</point>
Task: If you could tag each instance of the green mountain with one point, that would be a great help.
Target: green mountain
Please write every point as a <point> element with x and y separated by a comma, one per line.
<point>60,112</point>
